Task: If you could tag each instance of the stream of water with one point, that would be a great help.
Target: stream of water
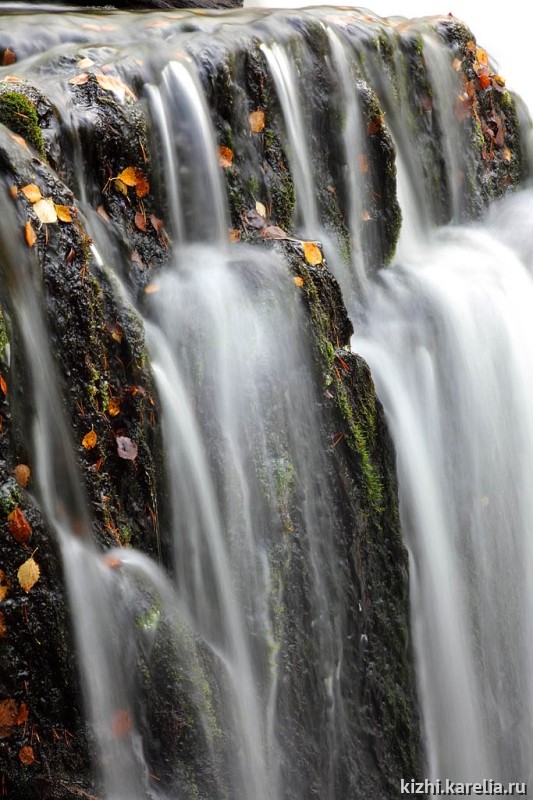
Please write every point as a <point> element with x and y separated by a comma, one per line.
<point>448,333</point>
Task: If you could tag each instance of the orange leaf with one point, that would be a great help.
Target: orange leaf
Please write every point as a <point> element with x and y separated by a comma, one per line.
<point>234,235</point>
<point>298,281</point>
<point>32,192</point>
<point>257,121</point>
<point>312,253</point>
<point>484,81</point>
<point>8,57</point>
<point>20,140</point>
<point>28,574</point>
<point>152,288</point>
<point>3,386</point>
<point>29,234</point>
<point>89,440</point>
<point>26,755</point>
<point>133,176</point>
<point>22,715</point>
<point>113,562</point>
<point>18,526</point>
<point>140,222</point>
<point>8,717</point>
<point>5,585</point>
<point>3,626</point>
<point>121,723</point>
<point>157,224</point>
<point>113,407</point>
<point>225,157</point>
<point>63,213</point>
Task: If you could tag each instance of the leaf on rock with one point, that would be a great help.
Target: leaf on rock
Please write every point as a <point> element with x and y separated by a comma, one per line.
<point>45,210</point>
<point>113,407</point>
<point>79,80</point>
<point>22,715</point>
<point>261,210</point>
<point>133,176</point>
<point>234,235</point>
<point>484,81</point>
<point>126,448</point>
<point>3,626</point>
<point>121,723</point>
<point>85,63</point>
<point>8,58</point>
<point>365,216</point>
<point>482,56</point>
<point>8,717</point>
<point>273,232</point>
<point>225,157</point>
<point>507,155</point>
<point>63,213</point>
<point>252,218</point>
<point>89,440</point>
<point>298,281</point>
<point>456,64</point>
<point>28,574</point>
<point>157,224</point>
<point>121,187</point>
<point>26,755</point>
<point>5,585</point>
<point>29,234</point>
<point>18,526</point>
<point>3,386</point>
<point>257,120</point>
<point>375,125</point>
<point>140,222</point>
<point>110,83</point>
<point>19,140</point>
<point>152,288</point>
<point>312,253</point>
<point>32,192</point>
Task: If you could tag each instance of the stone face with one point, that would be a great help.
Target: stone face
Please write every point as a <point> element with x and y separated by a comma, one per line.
<point>107,389</point>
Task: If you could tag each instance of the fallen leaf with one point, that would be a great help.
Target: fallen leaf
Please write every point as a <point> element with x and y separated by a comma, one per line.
<point>507,155</point>
<point>252,218</point>
<point>152,288</point>
<point>5,585</point>
<point>121,723</point>
<point>79,80</point>
<point>13,191</point>
<point>22,715</point>
<point>257,121</point>
<point>225,157</point>
<point>3,626</point>
<point>363,163</point>
<point>20,140</point>
<point>45,210</point>
<point>298,281</point>
<point>273,232</point>
<point>8,58</point>
<point>3,386</point>
<point>113,407</point>
<point>157,224</point>
<point>63,213</point>
<point>12,79</point>
<point>8,717</point>
<point>89,440</point>
<point>140,222</point>
<point>312,253</point>
<point>484,81</point>
<point>456,64</point>
<point>482,56</point>
<point>133,176</point>
<point>116,333</point>
<point>234,234</point>
<point>32,192</point>
<point>85,63</point>
<point>18,526</point>
<point>26,755</point>
<point>110,83</point>
<point>261,210</point>
<point>29,234</point>
<point>28,574</point>
<point>121,187</point>
<point>375,125</point>
<point>126,448</point>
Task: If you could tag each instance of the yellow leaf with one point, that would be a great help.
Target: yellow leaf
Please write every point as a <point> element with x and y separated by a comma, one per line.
<point>5,585</point>
<point>85,63</point>
<point>312,253</point>
<point>133,176</point>
<point>28,574</point>
<point>29,234</point>
<point>113,407</point>
<point>121,186</point>
<point>63,213</point>
<point>234,235</point>
<point>507,155</point>
<point>89,440</point>
<point>298,281</point>
<point>225,157</point>
<point>261,210</point>
<point>45,210</point>
<point>257,121</point>
<point>32,192</point>
<point>481,56</point>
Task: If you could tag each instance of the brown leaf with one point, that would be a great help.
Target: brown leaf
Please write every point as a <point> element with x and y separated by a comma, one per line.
<point>113,407</point>
<point>113,562</point>
<point>136,258</point>
<point>273,232</point>
<point>89,440</point>
<point>456,64</point>
<point>28,574</point>
<point>234,235</point>
<point>126,448</point>
<point>140,222</point>
<point>3,626</point>
<point>8,717</point>
<point>18,526</point>
<point>8,58</point>
<point>365,216</point>
<point>32,192</point>
<point>29,234</point>
<point>13,191</point>
<point>26,755</point>
<point>157,224</point>
<point>79,80</point>
<point>3,386</point>
<point>375,125</point>
<point>63,213</point>
<point>121,723</point>
<point>5,585</point>
<point>363,163</point>
<point>225,157</point>
<point>22,715</point>
<point>257,121</point>
<point>312,253</point>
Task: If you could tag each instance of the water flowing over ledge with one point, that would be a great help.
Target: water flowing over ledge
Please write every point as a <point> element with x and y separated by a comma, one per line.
<point>214,597</point>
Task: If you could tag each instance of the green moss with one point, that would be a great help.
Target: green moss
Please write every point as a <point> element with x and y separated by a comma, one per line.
<point>20,115</point>
<point>4,340</point>
<point>10,498</point>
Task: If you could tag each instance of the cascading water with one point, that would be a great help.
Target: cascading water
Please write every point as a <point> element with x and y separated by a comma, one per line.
<point>240,660</point>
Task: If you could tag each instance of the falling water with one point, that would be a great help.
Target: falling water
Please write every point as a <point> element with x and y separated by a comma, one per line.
<point>253,602</point>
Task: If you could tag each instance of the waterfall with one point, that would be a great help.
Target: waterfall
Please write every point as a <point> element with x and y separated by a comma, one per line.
<point>218,200</point>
